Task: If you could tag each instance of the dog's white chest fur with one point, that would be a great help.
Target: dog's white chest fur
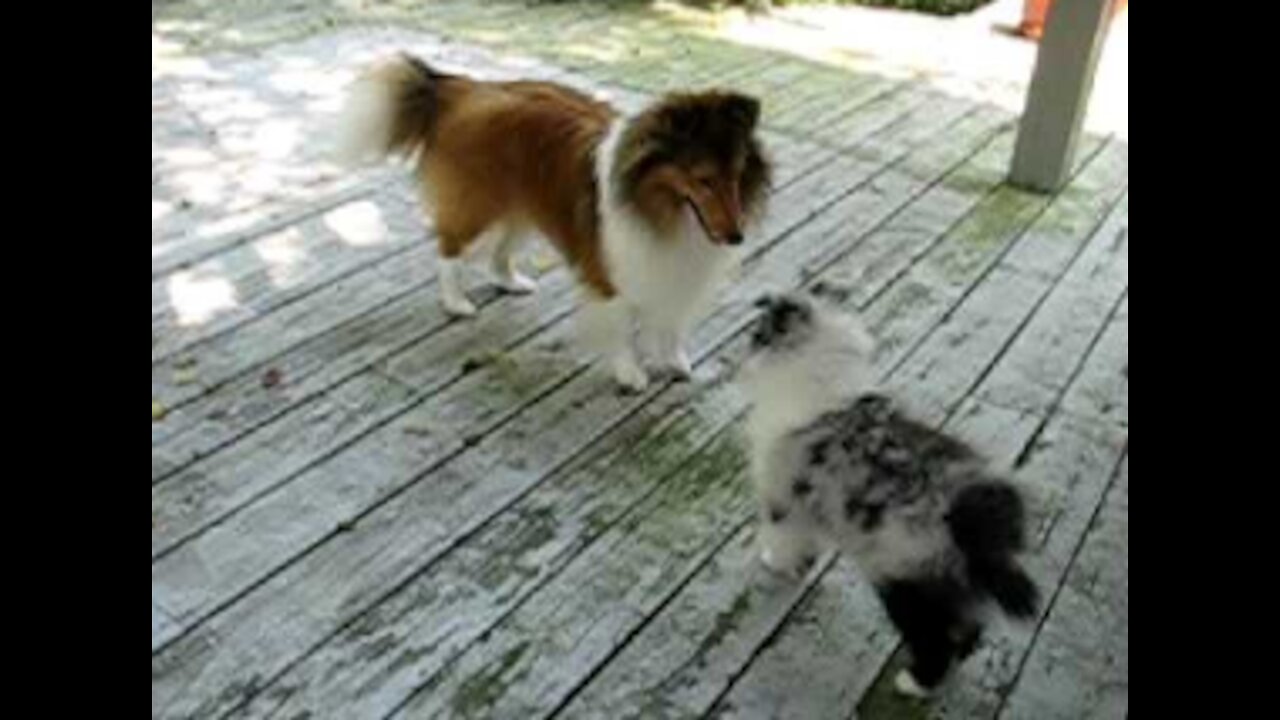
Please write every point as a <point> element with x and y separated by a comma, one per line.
<point>667,280</point>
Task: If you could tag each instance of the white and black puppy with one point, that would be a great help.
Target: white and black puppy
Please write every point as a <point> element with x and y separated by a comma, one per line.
<point>837,463</point>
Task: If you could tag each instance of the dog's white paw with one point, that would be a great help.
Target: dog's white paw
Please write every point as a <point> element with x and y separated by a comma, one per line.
<point>793,569</point>
<point>630,375</point>
<point>517,284</point>
<point>678,364</point>
<point>905,683</point>
<point>458,306</point>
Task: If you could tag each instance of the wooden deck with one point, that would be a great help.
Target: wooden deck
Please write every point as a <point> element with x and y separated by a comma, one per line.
<point>361,509</point>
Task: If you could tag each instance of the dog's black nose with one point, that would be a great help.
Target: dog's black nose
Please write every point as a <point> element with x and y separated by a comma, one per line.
<point>733,238</point>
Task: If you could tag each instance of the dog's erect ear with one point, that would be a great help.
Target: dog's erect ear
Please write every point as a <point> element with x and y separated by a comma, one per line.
<point>684,122</point>
<point>744,110</point>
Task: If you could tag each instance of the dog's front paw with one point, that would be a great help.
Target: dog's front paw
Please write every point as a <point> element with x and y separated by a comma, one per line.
<point>458,306</point>
<point>630,376</point>
<point>793,568</point>
<point>678,364</point>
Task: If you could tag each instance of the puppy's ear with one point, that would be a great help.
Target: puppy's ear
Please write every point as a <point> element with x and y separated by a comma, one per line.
<point>831,292</point>
<point>764,302</point>
<point>742,110</point>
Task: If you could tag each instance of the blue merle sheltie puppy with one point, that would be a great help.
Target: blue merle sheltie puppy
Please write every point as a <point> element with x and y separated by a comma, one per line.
<point>837,463</point>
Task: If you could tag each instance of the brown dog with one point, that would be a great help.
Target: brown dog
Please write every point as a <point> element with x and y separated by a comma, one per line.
<point>644,209</point>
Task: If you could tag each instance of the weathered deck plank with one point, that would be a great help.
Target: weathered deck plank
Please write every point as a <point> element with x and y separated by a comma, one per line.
<point>500,565</point>
<point>997,310</point>
<point>225,292</point>
<point>1068,323</point>
<point>1103,392</point>
<point>1078,667</point>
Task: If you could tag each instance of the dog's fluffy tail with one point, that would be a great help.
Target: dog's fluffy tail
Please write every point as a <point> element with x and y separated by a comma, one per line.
<point>987,522</point>
<point>391,109</point>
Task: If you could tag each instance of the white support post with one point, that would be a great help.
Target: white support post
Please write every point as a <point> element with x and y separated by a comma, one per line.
<point>1059,94</point>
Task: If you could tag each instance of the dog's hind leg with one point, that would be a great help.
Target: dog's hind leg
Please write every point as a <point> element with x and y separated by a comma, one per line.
<point>507,240</point>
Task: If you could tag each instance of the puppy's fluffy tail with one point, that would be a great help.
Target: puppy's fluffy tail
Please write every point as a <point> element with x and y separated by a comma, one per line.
<point>987,522</point>
<point>391,109</point>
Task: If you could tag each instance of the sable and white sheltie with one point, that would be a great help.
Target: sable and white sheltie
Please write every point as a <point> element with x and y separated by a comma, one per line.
<point>645,209</point>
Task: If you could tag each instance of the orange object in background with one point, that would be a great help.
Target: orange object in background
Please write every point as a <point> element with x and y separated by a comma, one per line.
<point>1035,12</point>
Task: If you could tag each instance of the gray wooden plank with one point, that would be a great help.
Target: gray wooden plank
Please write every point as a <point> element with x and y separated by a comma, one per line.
<point>1063,330</point>
<point>817,109</point>
<point>207,493</point>
<point>203,368</point>
<point>221,669</point>
<point>521,667</point>
<point>506,560</point>
<point>411,326</point>
<point>1000,309</point>
<point>1103,391</point>
<point>816,666</point>
<point>161,625</point>
<point>1078,667</point>
<point>622,51</point>
<point>185,234</point>
<point>226,292</point>
<point>197,236</point>
<point>933,272</point>
<point>252,164</point>
<point>701,62</point>
<point>677,663</point>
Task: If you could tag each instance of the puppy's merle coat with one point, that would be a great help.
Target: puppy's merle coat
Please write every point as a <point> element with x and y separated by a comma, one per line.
<point>837,463</point>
